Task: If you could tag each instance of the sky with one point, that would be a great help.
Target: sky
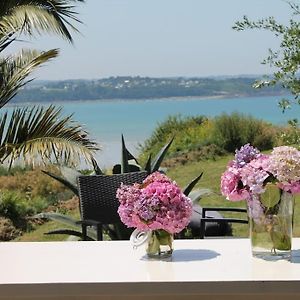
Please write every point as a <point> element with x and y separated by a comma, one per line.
<point>160,38</point>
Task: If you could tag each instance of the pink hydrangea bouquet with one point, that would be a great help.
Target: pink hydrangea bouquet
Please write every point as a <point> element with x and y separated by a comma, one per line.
<point>156,206</point>
<point>250,171</point>
<point>267,182</point>
<point>157,203</point>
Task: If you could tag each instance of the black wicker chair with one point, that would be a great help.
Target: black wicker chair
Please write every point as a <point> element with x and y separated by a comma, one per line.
<point>209,220</point>
<point>99,205</point>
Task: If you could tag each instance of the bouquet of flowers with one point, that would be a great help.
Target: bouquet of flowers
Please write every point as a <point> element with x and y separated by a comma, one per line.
<point>251,170</point>
<point>264,181</point>
<point>157,205</point>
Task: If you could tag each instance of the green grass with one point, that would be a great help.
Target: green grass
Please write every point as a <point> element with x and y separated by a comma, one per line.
<point>183,174</point>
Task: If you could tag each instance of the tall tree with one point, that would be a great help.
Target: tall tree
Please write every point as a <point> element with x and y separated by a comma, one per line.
<point>285,60</point>
<point>36,132</point>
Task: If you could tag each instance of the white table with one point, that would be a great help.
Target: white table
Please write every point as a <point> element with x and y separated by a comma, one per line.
<point>200,269</point>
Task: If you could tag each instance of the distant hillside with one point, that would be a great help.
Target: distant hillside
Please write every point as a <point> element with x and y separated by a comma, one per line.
<point>140,88</point>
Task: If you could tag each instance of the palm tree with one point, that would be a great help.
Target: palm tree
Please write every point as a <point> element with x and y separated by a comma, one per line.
<point>37,132</point>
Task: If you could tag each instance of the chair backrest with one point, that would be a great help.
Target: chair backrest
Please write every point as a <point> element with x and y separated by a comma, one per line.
<point>97,194</point>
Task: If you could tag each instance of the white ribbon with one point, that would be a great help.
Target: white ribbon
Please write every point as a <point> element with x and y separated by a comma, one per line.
<point>138,238</point>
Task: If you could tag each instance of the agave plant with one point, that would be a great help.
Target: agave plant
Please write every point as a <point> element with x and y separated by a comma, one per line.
<point>155,165</point>
<point>69,179</point>
<point>74,227</point>
<point>150,166</point>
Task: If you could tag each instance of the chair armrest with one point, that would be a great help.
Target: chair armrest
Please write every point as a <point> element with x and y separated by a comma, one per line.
<point>224,220</point>
<point>230,209</point>
<point>205,219</point>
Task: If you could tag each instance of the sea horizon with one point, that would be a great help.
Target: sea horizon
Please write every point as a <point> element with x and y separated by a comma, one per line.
<point>136,119</point>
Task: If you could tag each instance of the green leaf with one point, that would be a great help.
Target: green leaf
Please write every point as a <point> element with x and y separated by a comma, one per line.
<point>160,156</point>
<point>65,182</point>
<point>134,168</point>
<point>164,237</point>
<point>281,240</point>
<point>96,167</point>
<point>124,163</point>
<point>153,245</point>
<point>16,68</point>
<point>126,157</point>
<point>66,220</point>
<point>191,185</point>
<point>67,232</point>
<point>43,134</point>
<point>70,174</point>
<point>271,196</point>
<point>198,194</point>
<point>59,218</point>
<point>29,17</point>
<point>148,164</point>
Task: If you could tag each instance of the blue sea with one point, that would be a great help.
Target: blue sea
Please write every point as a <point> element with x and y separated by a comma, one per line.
<point>136,119</point>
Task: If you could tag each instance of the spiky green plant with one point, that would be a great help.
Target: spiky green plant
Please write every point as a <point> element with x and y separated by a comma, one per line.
<point>118,231</point>
<point>130,164</point>
<point>75,226</point>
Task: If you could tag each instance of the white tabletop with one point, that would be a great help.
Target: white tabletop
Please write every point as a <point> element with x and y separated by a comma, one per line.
<point>114,269</point>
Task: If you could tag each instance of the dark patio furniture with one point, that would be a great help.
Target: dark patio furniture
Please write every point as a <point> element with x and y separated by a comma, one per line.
<point>212,225</point>
<point>99,205</point>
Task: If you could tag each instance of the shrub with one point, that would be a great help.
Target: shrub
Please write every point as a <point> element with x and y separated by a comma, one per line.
<point>198,138</point>
<point>14,207</point>
<point>189,133</point>
<point>230,132</point>
<point>17,208</point>
<point>289,135</point>
<point>7,230</point>
<point>35,184</point>
<point>4,171</point>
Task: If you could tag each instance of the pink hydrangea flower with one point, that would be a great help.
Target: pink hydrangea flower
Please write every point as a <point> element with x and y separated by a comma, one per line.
<point>247,175</point>
<point>293,187</point>
<point>158,203</point>
<point>284,164</point>
<point>253,175</point>
<point>230,188</point>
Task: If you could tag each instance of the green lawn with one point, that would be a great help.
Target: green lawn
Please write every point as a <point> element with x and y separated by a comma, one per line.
<point>183,174</point>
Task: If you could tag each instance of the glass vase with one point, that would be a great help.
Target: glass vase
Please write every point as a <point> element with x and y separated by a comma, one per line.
<point>271,223</point>
<point>160,244</point>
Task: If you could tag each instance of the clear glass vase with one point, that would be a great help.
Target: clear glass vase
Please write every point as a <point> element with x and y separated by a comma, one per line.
<point>160,244</point>
<point>271,223</point>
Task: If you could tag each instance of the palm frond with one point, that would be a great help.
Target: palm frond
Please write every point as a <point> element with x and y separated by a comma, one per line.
<point>42,134</point>
<point>15,69</point>
<point>5,41</point>
<point>38,16</point>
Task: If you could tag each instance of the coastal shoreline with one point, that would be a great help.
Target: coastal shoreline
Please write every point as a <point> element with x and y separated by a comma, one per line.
<point>135,100</point>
